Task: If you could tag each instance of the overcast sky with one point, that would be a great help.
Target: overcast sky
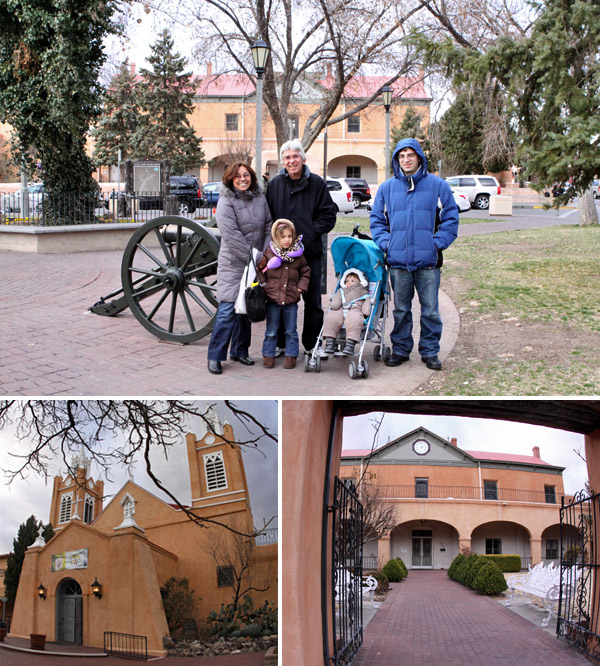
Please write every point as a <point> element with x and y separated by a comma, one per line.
<point>26,497</point>
<point>556,446</point>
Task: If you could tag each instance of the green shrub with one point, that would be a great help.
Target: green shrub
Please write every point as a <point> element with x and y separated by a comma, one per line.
<point>507,563</point>
<point>393,571</point>
<point>490,580</point>
<point>383,583</point>
<point>474,570</point>
<point>402,566</point>
<point>231,621</point>
<point>465,567</point>
<point>456,562</point>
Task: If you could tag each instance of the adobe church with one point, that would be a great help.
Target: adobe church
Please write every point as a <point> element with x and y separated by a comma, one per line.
<point>132,546</point>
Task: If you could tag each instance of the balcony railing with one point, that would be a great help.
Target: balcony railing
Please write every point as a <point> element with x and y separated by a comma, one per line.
<point>267,537</point>
<point>408,491</point>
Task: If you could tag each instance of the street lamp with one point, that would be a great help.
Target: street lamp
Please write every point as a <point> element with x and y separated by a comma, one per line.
<point>386,94</point>
<point>260,53</point>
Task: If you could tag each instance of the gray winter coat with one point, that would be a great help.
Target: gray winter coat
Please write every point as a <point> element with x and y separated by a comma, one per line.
<point>244,222</point>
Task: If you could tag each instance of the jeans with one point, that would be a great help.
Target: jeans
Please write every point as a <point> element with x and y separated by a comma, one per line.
<point>427,283</point>
<point>229,327</point>
<point>288,315</point>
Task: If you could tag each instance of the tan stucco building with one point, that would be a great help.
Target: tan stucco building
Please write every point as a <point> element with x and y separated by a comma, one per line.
<point>132,546</point>
<point>448,499</point>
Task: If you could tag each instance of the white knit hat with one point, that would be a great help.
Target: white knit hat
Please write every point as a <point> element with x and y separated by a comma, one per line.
<point>361,277</point>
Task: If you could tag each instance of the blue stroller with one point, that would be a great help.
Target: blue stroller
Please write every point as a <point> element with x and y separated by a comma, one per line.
<point>351,252</point>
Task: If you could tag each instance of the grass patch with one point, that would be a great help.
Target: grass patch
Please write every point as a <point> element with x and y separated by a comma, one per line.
<point>345,224</point>
<point>479,220</point>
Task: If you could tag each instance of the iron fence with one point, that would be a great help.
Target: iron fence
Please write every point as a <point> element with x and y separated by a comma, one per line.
<point>579,600</point>
<point>44,209</point>
<point>411,491</point>
<point>347,616</point>
<point>126,646</point>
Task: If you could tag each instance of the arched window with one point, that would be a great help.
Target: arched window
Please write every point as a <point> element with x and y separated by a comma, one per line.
<point>65,508</point>
<point>214,468</point>
<point>88,509</point>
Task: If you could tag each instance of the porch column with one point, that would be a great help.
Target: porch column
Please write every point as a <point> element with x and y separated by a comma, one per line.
<point>383,549</point>
<point>535,547</point>
<point>464,543</point>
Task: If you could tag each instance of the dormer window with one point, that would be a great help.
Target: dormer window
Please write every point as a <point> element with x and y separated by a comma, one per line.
<point>66,502</point>
<point>214,468</point>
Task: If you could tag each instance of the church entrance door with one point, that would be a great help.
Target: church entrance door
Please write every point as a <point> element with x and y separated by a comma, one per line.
<point>69,612</point>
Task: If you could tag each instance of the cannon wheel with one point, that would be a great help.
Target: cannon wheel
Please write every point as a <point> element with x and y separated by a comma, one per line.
<point>168,274</point>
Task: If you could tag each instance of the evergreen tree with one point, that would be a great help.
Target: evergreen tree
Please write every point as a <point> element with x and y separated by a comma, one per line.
<point>411,128</point>
<point>166,99</point>
<point>27,534</point>
<point>119,121</point>
<point>50,58</point>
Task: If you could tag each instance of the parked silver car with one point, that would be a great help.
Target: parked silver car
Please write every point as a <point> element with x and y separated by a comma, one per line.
<point>341,194</point>
<point>12,202</point>
<point>479,189</point>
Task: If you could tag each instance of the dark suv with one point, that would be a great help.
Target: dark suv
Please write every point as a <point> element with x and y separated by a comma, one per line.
<point>361,191</point>
<point>187,189</point>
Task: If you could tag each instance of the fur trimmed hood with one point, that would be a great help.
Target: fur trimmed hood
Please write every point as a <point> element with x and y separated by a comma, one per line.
<point>361,277</point>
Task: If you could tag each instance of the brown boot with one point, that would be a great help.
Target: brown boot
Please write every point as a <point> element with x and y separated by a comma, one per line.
<point>289,362</point>
<point>268,361</point>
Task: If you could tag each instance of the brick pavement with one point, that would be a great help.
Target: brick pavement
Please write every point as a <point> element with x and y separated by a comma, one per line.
<point>429,619</point>
<point>50,345</point>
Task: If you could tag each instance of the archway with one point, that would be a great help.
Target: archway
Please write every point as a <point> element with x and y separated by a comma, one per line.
<point>502,538</point>
<point>424,544</point>
<point>353,166</point>
<point>69,612</point>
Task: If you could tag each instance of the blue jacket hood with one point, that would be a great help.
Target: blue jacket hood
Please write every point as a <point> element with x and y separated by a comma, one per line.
<point>416,146</point>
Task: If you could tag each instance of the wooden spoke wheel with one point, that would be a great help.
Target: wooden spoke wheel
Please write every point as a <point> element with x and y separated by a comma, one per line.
<point>169,278</point>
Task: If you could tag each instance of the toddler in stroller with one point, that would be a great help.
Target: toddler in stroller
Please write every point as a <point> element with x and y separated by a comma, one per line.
<point>350,305</point>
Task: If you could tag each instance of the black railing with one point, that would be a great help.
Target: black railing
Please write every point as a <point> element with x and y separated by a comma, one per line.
<point>414,491</point>
<point>578,610</point>
<point>370,563</point>
<point>347,617</point>
<point>126,646</point>
<point>44,209</point>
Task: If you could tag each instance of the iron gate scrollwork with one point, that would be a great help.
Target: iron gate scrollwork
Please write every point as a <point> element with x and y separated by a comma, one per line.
<point>347,620</point>
<point>578,609</point>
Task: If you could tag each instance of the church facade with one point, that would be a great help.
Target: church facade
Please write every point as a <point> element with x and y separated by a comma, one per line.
<point>131,546</point>
<point>448,499</point>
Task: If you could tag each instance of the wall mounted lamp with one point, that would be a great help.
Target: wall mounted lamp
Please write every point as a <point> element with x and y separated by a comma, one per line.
<point>41,590</point>
<point>97,589</point>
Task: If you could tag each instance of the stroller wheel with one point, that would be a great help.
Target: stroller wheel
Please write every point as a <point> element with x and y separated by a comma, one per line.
<point>365,372</point>
<point>387,352</point>
<point>307,363</point>
<point>318,364</point>
<point>376,353</point>
<point>352,370</point>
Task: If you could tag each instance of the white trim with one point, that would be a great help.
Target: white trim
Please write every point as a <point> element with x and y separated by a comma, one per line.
<point>231,492</point>
<point>210,446</point>
<point>202,506</point>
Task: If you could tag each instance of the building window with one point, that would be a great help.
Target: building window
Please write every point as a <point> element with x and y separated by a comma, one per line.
<point>493,546</point>
<point>231,122</point>
<point>88,509</point>
<point>354,124</point>
<point>421,488</point>
<point>551,549</point>
<point>550,494</point>
<point>225,577</point>
<point>353,172</point>
<point>214,467</point>
<point>490,490</point>
<point>65,508</point>
<point>294,124</point>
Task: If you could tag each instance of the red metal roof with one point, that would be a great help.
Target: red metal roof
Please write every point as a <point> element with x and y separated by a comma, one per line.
<point>478,455</point>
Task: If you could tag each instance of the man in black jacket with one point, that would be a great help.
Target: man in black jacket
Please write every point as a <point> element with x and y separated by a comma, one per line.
<point>301,196</point>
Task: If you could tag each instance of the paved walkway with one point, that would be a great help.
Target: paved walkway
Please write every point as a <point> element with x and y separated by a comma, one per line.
<point>71,655</point>
<point>429,619</point>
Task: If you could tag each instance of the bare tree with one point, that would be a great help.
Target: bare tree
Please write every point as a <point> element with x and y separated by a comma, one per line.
<point>318,47</point>
<point>379,514</point>
<point>235,554</point>
<point>110,432</point>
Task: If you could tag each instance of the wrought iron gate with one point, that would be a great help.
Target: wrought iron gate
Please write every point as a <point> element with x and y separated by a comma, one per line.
<point>347,616</point>
<point>579,600</point>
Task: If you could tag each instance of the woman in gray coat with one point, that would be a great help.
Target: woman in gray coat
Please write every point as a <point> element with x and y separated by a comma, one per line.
<point>244,221</point>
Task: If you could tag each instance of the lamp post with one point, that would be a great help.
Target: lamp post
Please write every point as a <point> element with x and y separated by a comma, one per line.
<point>386,94</point>
<point>260,53</point>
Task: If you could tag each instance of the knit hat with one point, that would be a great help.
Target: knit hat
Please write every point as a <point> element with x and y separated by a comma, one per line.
<point>361,277</point>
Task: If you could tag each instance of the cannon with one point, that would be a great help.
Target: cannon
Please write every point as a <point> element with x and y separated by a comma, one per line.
<point>168,279</point>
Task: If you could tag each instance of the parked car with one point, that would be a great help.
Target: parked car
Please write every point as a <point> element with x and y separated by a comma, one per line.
<point>341,194</point>
<point>187,189</point>
<point>479,189</point>
<point>361,191</point>
<point>211,192</point>
<point>12,202</point>
<point>462,201</point>
<point>596,189</point>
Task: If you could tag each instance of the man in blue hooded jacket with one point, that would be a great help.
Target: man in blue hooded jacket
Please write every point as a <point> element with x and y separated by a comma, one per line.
<point>414,218</point>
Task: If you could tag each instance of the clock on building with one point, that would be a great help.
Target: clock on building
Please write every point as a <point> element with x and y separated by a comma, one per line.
<point>421,447</point>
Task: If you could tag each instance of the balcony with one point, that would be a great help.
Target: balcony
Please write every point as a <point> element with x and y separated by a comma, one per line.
<point>410,491</point>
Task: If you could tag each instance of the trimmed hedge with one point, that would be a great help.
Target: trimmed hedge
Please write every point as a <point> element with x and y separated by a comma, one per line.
<point>402,566</point>
<point>393,571</point>
<point>490,580</point>
<point>383,583</point>
<point>479,572</point>
<point>506,563</point>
